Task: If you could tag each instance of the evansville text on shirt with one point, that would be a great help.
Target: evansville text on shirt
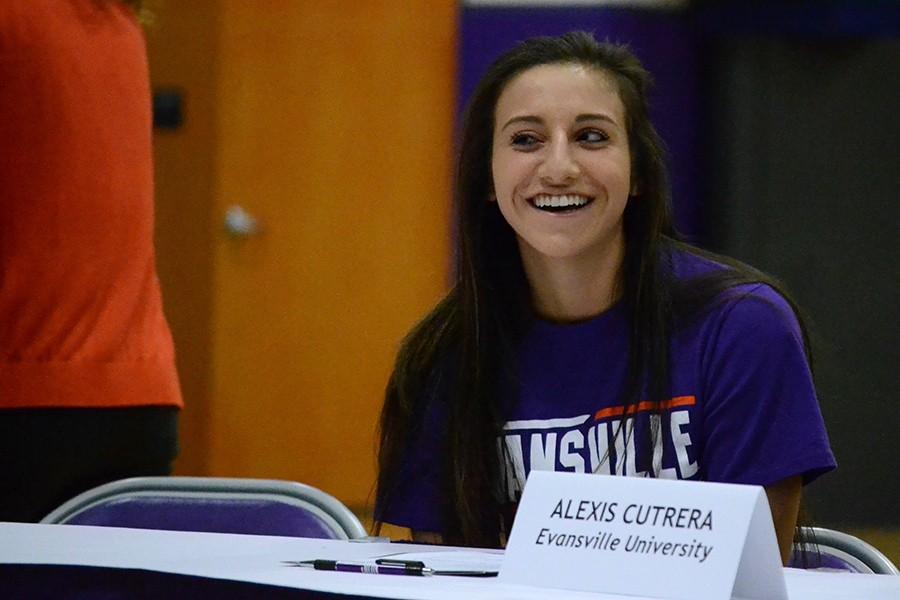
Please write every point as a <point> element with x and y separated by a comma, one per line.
<point>599,443</point>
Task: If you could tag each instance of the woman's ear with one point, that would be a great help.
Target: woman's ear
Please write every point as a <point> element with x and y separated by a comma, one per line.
<point>635,189</point>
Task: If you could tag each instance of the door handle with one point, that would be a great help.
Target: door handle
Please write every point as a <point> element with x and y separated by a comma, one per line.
<point>239,223</point>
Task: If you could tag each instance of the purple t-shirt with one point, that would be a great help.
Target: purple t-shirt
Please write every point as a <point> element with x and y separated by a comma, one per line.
<point>743,407</point>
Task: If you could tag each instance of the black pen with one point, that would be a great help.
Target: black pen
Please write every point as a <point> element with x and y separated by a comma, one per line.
<point>417,564</point>
<point>382,567</point>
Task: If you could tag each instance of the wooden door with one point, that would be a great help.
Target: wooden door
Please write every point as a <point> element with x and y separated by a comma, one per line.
<point>333,129</point>
<point>182,47</point>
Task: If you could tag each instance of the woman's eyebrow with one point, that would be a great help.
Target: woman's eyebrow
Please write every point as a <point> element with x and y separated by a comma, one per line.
<point>595,117</point>
<point>522,119</point>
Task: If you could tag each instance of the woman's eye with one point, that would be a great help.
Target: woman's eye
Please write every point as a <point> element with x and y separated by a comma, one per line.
<point>524,140</point>
<point>592,136</point>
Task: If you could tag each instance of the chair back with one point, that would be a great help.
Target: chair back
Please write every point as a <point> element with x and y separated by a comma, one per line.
<point>830,549</point>
<point>212,504</point>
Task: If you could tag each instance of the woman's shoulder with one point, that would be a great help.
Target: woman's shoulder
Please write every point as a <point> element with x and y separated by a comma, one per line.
<point>729,292</point>
<point>684,262</point>
<point>757,311</point>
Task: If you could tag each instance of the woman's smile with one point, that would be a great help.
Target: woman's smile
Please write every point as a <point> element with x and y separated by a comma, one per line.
<point>560,204</point>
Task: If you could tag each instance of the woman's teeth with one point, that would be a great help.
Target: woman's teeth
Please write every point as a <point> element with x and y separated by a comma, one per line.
<point>560,203</point>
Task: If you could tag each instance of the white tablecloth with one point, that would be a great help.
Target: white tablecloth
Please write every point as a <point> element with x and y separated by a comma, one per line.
<point>259,559</point>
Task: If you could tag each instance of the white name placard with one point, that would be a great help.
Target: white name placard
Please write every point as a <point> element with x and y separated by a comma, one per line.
<point>678,540</point>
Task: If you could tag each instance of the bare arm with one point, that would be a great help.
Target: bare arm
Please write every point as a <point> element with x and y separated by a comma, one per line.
<point>784,502</point>
<point>426,537</point>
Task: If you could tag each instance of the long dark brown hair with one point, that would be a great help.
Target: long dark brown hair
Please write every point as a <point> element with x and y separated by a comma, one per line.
<point>457,354</point>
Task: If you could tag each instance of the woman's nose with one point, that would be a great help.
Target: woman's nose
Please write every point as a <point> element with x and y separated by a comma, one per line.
<point>559,166</point>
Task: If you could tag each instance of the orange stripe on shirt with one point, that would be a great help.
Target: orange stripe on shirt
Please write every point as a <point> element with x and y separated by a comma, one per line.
<point>618,411</point>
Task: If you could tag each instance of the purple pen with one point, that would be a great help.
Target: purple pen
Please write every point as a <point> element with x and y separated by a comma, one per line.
<point>395,568</point>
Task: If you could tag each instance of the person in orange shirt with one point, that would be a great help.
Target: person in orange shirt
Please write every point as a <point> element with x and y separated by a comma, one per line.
<point>88,387</point>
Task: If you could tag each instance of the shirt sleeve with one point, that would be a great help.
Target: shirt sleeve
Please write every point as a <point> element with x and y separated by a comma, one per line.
<point>416,500</point>
<point>761,418</point>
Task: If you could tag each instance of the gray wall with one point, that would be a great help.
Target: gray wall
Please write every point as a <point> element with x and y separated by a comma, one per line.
<point>804,175</point>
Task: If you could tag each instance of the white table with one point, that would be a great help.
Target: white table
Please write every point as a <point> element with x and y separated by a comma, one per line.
<point>258,559</point>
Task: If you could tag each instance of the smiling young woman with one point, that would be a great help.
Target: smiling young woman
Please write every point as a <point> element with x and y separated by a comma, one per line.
<point>562,177</point>
<point>580,334</point>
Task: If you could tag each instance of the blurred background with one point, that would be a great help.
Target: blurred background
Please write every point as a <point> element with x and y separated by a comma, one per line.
<point>304,157</point>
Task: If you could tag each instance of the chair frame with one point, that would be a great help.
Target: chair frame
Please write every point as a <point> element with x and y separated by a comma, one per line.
<point>857,553</point>
<point>326,507</point>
